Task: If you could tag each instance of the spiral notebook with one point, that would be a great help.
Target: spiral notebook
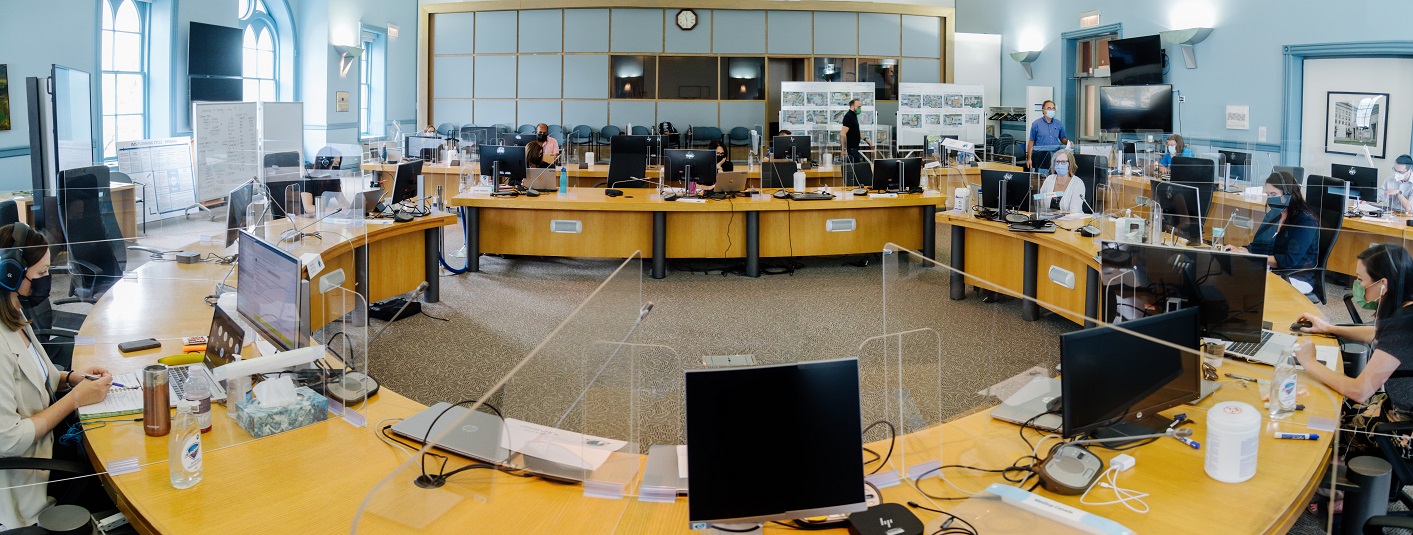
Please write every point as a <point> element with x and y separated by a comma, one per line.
<point>120,401</point>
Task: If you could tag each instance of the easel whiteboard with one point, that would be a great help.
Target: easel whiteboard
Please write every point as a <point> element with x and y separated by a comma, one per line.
<point>282,128</point>
<point>227,146</point>
<point>162,168</point>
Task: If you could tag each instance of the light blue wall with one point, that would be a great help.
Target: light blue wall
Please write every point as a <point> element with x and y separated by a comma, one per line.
<point>694,41</point>
<point>588,33</point>
<point>636,30</point>
<point>789,32</point>
<point>738,32</point>
<point>540,30</point>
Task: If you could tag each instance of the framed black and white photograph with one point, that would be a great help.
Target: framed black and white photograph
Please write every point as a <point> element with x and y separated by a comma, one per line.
<point>1355,122</point>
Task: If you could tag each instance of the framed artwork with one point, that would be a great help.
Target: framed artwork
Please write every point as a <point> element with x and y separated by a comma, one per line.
<point>1355,122</point>
<point>4,97</point>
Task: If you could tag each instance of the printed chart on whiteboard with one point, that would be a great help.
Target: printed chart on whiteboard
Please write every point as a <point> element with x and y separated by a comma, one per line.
<point>162,169</point>
<point>940,109</point>
<point>817,109</point>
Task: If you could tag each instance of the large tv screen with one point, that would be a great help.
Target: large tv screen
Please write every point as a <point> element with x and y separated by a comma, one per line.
<point>214,50</point>
<point>1130,108</point>
<point>216,90</point>
<point>1136,61</point>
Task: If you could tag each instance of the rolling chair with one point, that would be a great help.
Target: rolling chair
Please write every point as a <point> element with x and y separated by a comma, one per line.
<point>738,137</point>
<point>1329,210</point>
<point>776,174</point>
<point>857,175</point>
<point>72,494</point>
<point>525,129</point>
<point>627,168</point>
<point>640,130</point>
<point>446,130</point>
<point>1093,170</point>
<point>89,229</point>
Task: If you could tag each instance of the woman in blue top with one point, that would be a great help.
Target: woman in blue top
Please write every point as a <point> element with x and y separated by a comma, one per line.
<point>1176,147</point>
<point>1297,233</point>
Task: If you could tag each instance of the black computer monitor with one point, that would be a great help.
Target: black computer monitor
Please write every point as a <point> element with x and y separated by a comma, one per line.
<point>514,139</point>
<point>699,165</point>
<point>1193,170</point>
<point>404,185</point>
<point>1229,288</point>
<point>1182,206</point>
<point>1016,191</point>
<point>790,147</point>
<point>1238,165</point>
<point>1113,378</point>
<point>505,162</point>
<point>269,295</point>
<point>734,419</point>
<point>237,202</point>
<point>412,145</point>
<point>892,174</point>
<point>1363,181</point>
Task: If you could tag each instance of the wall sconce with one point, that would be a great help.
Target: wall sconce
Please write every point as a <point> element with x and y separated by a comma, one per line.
<point>346,56</point>
<point>1186,39</point>
<point>1025,59</point>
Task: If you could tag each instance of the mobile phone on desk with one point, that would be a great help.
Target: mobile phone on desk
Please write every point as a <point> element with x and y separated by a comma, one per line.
<point>139,345</point>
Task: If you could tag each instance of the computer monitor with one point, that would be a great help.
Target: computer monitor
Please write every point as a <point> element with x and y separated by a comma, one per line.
<point>700,165</point>
<point>1238,165</point>
<point>480,135</point>
<point>790,147</point>
<point>892,174</point>
<point>513,139</point>
<point>270,294</point>
<point>412,145</point>
<point>237,202</point>
<point>404,185</point>
<point>1193,170</point>
<point>1228,288</point>
<point>506,162</point>
<point>1114,382</point>
<point>734,420</point>
<point>1016,191</point>
<point>1182,208</point>
<point>1363,181</point>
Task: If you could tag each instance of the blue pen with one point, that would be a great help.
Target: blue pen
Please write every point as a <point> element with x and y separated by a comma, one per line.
<point>1195,444</point>
<point>1298,436</point>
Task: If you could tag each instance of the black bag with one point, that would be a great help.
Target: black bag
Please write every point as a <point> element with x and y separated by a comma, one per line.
<point>387,310</point>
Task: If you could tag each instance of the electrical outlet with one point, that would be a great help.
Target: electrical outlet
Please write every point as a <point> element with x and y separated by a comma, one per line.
<point>1261,134</point>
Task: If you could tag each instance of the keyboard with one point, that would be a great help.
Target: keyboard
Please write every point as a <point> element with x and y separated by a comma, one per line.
<point>811,197</point>
<point>177,376</point>
<point>1249,348</point>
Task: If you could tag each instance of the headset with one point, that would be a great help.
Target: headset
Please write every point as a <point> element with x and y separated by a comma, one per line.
<point>12,262</point>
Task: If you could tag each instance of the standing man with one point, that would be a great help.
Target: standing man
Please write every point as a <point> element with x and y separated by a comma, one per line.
<point>1047,134</point>
<point>551,144</point>
<point>851,135</point>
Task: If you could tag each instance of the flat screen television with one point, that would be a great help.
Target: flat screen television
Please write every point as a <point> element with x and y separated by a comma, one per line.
<point>214,50</point>
<point>1130,108</point>
<point>216,90</point>
<point>1136,61</point>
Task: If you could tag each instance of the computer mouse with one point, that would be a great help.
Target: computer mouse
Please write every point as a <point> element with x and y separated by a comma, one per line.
<point>401,216</point>
<point>1300,325</point>
<point>780,194</point>
<point>860,191</point>
<point>532,192</point>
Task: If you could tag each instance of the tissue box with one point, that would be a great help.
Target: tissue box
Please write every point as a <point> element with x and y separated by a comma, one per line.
<point>261,422</point>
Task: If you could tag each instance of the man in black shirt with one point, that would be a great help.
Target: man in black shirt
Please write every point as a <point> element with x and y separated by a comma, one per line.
<point>852,135</point>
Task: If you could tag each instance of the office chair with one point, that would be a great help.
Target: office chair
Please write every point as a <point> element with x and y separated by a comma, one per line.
<point>526,129</point>
<point>1329,210</point>
<point>857,175</point>
<point>640,130</point>
<point>9,212</point>
<point>1296,171</point>
<point>89,229</point>
<point>626,170</point>
<point>446,130</point>
<point>777,174</point>
<point>72,495</point>
<point>1093,170</point>
<point>1380,524</point>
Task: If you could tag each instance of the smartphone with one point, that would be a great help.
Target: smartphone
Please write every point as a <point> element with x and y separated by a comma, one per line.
<point>139,345</point>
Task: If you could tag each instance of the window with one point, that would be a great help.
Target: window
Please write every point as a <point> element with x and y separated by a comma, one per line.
<point>1091,72</point>
<point>372,84</point>
<point>687,77</point>
<point>836,70</point>
<point>634,77</point>
<point>124,73</point>
<point>743,78</point>
<point>260,46</point>
<point>883,72</point>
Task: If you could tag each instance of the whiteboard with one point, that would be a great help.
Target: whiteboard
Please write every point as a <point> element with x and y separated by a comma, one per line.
<point>940,109</point>
<point>163,169</point>
<point>282,127</point>
<point>227,146</point>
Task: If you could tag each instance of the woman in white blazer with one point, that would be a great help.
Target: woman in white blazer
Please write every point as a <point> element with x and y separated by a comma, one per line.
<point>1063,179</point>
<point>30,406</point>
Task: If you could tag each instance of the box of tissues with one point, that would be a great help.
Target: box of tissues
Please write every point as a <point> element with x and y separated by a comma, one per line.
<point>261,421</point>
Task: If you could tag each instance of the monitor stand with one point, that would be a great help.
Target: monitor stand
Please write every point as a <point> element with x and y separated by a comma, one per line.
<point>1151,425</point>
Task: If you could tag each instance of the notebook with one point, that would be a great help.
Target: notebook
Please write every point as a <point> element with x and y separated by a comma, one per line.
<point>121,400</point>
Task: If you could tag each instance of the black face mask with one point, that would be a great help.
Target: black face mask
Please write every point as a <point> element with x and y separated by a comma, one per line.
<point>541,137</point>
<point>38,292</point>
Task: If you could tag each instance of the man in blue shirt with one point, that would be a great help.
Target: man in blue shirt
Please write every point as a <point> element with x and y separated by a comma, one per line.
<point>1047,134</point>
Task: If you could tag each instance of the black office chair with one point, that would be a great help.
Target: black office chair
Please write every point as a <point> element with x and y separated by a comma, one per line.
<point>1325,196</point>
<point>856,175</point>
<point>9,212</point>
<point>776,174</point>
<point>1093,170</point>
<point>627,170</point>
<point>1380,524</point>
<point>73,495</point>
<point>89,229</point>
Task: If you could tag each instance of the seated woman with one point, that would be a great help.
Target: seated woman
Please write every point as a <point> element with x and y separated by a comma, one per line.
<point>1062,179</point>
<point>1297,233</point>
<point>723,162</point>
<point>1176,147</point>
<point>31,406</point>
<point>535,155</point>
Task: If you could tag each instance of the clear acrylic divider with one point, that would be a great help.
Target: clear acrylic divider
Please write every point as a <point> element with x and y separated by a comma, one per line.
<point>348,380</point>
<point>563,414</point>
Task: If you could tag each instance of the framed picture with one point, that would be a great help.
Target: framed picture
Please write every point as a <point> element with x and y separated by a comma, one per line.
<point>4,97</point>
<point>1355,122</point>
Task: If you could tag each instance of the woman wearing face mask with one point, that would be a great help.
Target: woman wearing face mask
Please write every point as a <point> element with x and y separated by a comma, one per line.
<point>1399,189</point>
<point>1297,231</point>
<point>1176,147</point>
<point>535,155</point>
<point>1062,179</point>
<point>31,406</point>
<point>723,163</point>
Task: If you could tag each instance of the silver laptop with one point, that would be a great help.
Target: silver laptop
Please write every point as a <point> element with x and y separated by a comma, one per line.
<point>223,343</point>
<point>542,179</point>
<point>1029,405</point>
<point>666,468</point>
<point>730,182</point>
<point>474,434</point>
<point>1266,351</point>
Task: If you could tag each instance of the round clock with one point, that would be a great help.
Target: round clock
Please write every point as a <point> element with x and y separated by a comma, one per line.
<point>686,19</point>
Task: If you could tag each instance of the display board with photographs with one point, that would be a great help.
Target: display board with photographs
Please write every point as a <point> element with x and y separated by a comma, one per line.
<point>940,109</point>
<point>817,109</point>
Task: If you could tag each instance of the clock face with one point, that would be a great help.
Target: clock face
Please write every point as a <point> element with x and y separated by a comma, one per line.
<point>686,19</point>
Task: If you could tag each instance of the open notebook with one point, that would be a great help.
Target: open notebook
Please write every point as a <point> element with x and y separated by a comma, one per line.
<point>120,401</point>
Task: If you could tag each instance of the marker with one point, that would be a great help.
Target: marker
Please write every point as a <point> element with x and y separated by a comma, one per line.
<point>1298,436</point>
<point>1195,444</point>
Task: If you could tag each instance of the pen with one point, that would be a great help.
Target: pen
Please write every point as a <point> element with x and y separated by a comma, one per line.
<point>1298,436</point>
<point>95,378</point>
<point>1241,377</point>
<point>1195,444</point>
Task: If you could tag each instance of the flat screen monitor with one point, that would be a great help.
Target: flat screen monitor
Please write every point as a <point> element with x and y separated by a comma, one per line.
<point>1228,288</point>
<point>214,51</point>
<point>699,165</point>
<point>73,118</point>
<point>215,90</point>
<point>1131,108</point>
<point>268,296</point>
<point>507,162</point>
<point>1112,377</point>
<point>1238,165</point>
<point>892,174</point>
<point>1363,181</point>
<point>790,147</point>
<point>405,180</point>
<point>1136,60</point>
<point>237,202</point>
<point>513,139</point>
<point>735,418</point>
<point>1182,208</point>
<point>1017,189</point>
<point>1193,170</point>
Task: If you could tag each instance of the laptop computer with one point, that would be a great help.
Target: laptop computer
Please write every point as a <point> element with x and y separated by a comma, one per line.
<point>1029,404</point>
<point>462,431</point>
<point>1266,351</point>
<point>222,346</point>
<point>542,179</point>
<point>730,182</point>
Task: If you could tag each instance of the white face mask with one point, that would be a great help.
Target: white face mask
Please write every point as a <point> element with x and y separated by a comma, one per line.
<point>1172,149</point>
<point>1049,114</point>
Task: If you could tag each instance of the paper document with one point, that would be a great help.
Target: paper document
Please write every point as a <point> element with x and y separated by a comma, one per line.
<point>1327,355</point>
<point>120,401</point>
<point>557,445</point>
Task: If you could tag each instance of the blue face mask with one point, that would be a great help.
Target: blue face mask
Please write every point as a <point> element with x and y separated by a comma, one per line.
<point>1062,168</point>
<point>1049,114</point>
<point>1279,201</point>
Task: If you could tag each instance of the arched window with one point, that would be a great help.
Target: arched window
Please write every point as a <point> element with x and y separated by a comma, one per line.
<point>261,51</point>
<point>124,43</point>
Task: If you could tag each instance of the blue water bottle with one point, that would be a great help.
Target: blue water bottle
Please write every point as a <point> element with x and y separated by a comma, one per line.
<point>563,181</point>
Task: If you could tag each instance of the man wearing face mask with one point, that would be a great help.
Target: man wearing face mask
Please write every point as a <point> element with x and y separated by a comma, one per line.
<point>551,145</point>
<point>1176,147</point>
<point>1047,135</point>
<point>1297,233</point>
<point>1399,189</point>
<point>851,134</point>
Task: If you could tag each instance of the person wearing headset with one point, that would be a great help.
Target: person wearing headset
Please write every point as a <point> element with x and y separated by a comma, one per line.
<point>1398,190</point>
<point>1062,179</point>
<point>1176,147</point>
<point>1295,245</point>
<point>31,404</point>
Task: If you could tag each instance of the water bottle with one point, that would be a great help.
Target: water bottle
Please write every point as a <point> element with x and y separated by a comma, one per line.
<point>1283,386</point>
<point>197,391</point>
<point>257,211</point>
<point>563,181</point>
<point>184,447</point>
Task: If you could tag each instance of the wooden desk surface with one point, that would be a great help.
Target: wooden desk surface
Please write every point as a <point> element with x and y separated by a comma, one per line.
<point>600,170</point>
<point>647,200</point>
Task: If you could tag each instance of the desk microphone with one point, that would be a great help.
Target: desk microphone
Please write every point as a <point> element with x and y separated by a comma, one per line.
<point>1071,468</point>
<point>290,235</point>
